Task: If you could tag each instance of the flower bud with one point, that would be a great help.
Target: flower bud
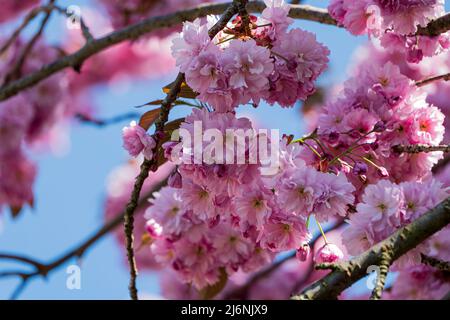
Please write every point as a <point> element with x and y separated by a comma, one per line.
<point>175,180</point>
<point>379,126</point>
<point>333,137</point>
<point>382,172</point>
<point>329,253</point>
<point>360,168</point>
<point>303,252</point>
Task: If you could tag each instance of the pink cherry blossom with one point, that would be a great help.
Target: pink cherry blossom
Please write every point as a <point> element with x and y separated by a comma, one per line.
<point>276,13</point>
<point>282,234</point>
<point>190,43</point>
<point>136,140</point>
<point>329,253</point>
<point>167,210</point>
<point>303,252</point>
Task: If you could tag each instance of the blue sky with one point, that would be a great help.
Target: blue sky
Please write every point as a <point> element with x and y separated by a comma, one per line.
<point>70,189</point>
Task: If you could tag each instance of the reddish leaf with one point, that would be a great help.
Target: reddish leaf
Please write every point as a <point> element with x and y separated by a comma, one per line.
<point>148,118</point>
<point>185,91</point>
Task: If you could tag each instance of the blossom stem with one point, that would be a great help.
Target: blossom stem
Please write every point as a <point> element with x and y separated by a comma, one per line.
<point>321,231</point>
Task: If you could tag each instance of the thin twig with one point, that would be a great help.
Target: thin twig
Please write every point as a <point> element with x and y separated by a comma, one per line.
<point>87,35</point>
<point>43,269</point>
<point>17,69</point>
<point>445,77</point>
<point>418,148</point>
<point>146,26</point>
<point>245,19</point>
<point>385,263</point>
<point>151,164</point>
<point>436,263</point>
<point>26,21</point>
<point>105,122</point>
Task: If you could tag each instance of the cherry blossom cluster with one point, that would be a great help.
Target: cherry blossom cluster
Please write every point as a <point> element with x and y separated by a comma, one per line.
<point>29,118</point>
<point>37,118</point>
<point>292,276</point>
<point>395,23</point>
<point>11,9</point>
<point>386,207</point>
<point>377,109</point>
<point>242,65</point>
<point>112,65</point>
<point>423,282</point>
<point>438,92</point>
<point>230,217</point>
<point>119,184</point>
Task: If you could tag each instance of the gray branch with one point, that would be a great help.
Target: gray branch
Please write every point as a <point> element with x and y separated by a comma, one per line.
<point>402,241</point>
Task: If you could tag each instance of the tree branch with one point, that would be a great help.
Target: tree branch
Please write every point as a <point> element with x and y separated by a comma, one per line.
<point>16,71</point>
<point>435,27</point>
<point>132,32</point>
<point>436,263</point>
<point>445,77</point>
<point>151,164</point>
<point>242,291</point>
<point>385,263</point>
<point>418,148</point>
<point>397,244</point>
<point>43,269</point>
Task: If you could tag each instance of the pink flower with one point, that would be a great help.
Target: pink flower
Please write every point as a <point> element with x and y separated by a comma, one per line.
<point>136,140</point>
<point>428,125</point>
<point>17,175</point>
<point>205,71</point>
<point>15,117</point>
<point>329,253</point>
<point>405,15</point>
<point>249,66</point>
<point>284,233</point>
<point>194,262</point>
<point>190,43</point>
<point>303,252</point>
<point>167,210</point>
<point>297,192</point>
<point>200,199</point>
<point>337,10</point>
<point>356,17</point>
<point>300,61</point>
<point>276,13</point>
<point>333,196</point>
<point>231,245</point>
<point>418,283</point>
<point>253,207</point>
